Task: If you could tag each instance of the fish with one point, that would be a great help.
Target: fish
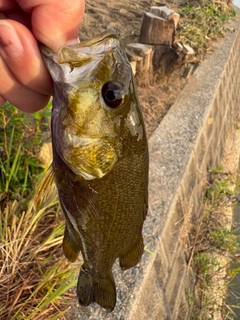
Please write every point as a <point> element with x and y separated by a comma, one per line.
<point>100,162</point>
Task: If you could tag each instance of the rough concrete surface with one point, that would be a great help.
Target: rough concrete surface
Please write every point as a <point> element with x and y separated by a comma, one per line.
<point>190,139</point>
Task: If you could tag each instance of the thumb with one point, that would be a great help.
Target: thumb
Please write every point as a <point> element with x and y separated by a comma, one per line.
<point>55,23</point>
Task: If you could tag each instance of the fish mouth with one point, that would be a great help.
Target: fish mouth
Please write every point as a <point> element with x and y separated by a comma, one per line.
<point>109,33</point>
<point>99,45</point>
<point>82,58</point>
<point>90,157</point>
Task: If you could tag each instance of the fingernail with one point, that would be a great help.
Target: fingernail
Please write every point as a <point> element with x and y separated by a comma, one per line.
<point>72,42</point>
<point>9,40</point>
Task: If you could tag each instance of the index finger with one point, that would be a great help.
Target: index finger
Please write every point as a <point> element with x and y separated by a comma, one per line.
<point>54,22</point>
<point>7,5</point>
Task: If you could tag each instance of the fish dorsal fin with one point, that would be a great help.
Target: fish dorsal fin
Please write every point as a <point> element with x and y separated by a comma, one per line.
<point>46,190</point>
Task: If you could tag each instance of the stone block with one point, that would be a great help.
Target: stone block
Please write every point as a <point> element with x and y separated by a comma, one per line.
<point>205,162</point>
<point>174,287</point>
<point>200,150</point>
<point>171,232</point>
<point>209,126</point>
<point>190,179</point>
<point>215,107</point>
<point>195,200</point>
<point>211,155</point>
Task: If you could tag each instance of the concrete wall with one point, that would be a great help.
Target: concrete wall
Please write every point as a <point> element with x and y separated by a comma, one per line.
<point>190,139</point>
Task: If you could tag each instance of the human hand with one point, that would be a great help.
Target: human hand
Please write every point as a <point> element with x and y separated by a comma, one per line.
<point>25,81</point>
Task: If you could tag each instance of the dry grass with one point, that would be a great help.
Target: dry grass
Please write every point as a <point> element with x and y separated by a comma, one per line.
<point>34,274</point>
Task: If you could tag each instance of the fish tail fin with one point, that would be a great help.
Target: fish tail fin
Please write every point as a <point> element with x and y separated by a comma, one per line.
<point>132,257</point>
<point>99,290</point>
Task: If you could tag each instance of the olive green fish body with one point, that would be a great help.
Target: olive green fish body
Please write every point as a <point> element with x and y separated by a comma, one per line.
<point>100,161</point>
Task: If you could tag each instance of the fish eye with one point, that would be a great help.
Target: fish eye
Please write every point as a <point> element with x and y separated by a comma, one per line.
<point>111,93</point>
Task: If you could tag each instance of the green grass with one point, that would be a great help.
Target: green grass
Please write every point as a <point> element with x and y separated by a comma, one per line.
<point>203,21</point>
<point>34,275</point>
<point>215,245</point>
<point>20,140</point>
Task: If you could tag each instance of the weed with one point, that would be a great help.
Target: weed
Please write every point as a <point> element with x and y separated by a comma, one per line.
<point>203,21</point>
<point>215,246</point>
<point>225,239</point>
<point>190,297</point>
<point>20,167</point>
<point>34,275</point>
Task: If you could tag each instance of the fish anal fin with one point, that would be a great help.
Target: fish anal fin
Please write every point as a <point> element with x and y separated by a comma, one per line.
<point>100,290</point>
<point>70,245</point>
<point>132,257</point>
<point>46,190</point>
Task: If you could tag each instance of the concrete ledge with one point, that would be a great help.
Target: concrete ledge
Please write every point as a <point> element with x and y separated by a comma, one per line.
<point>190,139</point>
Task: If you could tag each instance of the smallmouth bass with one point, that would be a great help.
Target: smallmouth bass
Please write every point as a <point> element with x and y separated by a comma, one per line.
<point>100,162</point>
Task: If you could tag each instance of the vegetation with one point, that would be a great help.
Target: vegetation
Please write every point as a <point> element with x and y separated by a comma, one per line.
<point>203,21</point>
<point>214,250</point>
<point>34,275</point>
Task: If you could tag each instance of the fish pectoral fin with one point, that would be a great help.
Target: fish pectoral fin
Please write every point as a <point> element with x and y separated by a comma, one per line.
<point>131,258</point>
<point>70,245</point>
<point>46,190</point>
<point>99,290</point>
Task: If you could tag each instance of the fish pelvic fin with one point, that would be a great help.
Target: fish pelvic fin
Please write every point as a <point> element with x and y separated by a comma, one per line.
<point>100,290</point>
<point>132,257</point>
<point>70,245</point>
<point>46,190</point>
